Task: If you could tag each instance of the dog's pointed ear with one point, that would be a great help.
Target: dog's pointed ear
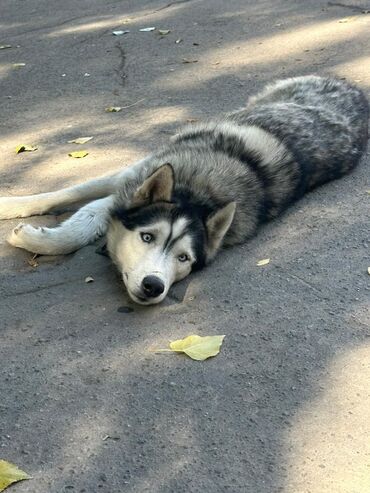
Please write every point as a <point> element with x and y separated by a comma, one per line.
<point>217,226</point>
<point>158,187</point>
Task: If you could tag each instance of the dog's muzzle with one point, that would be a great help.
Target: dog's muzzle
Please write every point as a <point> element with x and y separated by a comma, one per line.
<point>152,286</point>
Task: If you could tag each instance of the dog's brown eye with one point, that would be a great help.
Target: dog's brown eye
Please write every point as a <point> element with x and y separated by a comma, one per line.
<point>183,257</point>
<point>146,237</point>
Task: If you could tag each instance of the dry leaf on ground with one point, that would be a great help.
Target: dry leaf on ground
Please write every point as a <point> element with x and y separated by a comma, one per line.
<point>119,33</point>
<point>19,65</point>
<point>368,270</point>
<point>25,148</point>
<point>264,261</point>
<point>163,32</point>
<point>32,261</point>
<point>9,473</point>
<point>89,279</point>
<point>113,109</point>
<point>78,154</point>
<point>4,47</point>
<point>80,140</point>
<point>197,347</point>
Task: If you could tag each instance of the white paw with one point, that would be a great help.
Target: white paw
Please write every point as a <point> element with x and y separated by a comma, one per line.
<point>27,237</point>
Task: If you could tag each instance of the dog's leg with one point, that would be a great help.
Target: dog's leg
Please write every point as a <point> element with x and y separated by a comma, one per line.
<point>11,207</point>
<point>84,227</point>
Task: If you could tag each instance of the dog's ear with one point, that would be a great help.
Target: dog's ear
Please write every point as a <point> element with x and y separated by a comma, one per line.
<point>158,187</point>
<point>217,226</point>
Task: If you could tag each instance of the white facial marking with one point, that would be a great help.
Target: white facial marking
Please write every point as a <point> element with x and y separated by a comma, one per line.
<point>178,227</point>
<point>137,258</point>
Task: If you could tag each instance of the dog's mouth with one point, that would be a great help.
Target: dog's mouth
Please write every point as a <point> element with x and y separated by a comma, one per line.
<point>138,295</point>
<point>139,299</point>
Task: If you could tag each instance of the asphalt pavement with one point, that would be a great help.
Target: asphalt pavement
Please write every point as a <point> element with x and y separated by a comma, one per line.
<point>85,405</point>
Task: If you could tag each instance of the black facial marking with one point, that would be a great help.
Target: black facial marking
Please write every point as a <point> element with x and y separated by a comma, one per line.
<point>194,213</point>
<point>196,230</point>
<point>179,237</point>
<point>167,242</point>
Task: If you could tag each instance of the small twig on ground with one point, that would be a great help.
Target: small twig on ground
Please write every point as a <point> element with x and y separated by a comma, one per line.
<point>303,281</point>
<point>133,104</point>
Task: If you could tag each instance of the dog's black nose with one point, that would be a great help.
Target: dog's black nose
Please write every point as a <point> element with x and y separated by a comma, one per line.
<point>152,286</point>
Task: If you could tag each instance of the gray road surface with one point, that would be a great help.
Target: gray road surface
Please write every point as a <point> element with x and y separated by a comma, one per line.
<point>84,405</point>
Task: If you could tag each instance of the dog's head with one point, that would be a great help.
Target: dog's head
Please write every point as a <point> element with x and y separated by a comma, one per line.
<point>157,241</point>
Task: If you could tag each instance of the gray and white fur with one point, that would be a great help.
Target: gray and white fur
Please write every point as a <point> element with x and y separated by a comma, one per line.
<point>213,185</point>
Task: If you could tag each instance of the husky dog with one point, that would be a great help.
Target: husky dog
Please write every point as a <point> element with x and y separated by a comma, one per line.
<point>211,186</point>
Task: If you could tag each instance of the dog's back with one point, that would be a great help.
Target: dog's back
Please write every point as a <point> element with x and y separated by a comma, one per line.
<point>295,135</point>
<point>322,121</point>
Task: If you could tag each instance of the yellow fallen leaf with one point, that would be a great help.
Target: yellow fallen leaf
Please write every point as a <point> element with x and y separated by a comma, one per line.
<point>19,65</point>
<point>78,154</point>
<point>265,261</point>
<point>197,347</point>
<point>113,109</point>
<point>80,140</point>
<point>9,473</point>
<point>25,147</point>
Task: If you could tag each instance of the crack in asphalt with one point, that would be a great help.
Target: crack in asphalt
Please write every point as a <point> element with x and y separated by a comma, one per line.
<point>352,7</point>
<point>171,4</point>
<point>120,71</point>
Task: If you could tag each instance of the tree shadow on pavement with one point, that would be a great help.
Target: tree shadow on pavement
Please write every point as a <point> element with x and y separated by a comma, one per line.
<point>86,406</point>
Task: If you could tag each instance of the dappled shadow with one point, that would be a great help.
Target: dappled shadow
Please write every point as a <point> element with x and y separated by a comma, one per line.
<point>85,406</point>
<point>237,52</point>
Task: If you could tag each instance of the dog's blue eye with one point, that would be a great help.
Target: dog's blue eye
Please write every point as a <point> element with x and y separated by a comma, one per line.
<point>183,257</point>
<point>147,237</point>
